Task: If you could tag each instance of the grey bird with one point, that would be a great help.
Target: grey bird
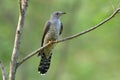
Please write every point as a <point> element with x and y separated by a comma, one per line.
<point>52,29</point>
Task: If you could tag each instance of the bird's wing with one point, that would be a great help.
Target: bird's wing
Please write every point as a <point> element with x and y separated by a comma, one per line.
<point>61,29</point>
<point>45,30</point>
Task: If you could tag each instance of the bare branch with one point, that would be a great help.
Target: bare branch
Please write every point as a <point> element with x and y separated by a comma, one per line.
<point>33,53</point>
<point>92,28</point>
<point>13,64</point>
<point>3,71</point>
<point>70,37</point>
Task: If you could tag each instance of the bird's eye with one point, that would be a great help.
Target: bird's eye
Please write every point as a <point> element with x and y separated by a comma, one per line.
<point>57,13</point>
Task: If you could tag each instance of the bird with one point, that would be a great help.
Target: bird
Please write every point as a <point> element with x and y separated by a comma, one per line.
<point>52,30</point>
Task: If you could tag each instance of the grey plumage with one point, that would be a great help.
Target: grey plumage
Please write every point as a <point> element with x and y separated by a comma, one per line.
<point>52,30</point>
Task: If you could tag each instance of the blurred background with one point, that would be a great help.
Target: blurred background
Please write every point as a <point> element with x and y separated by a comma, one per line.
<point>93,56</point>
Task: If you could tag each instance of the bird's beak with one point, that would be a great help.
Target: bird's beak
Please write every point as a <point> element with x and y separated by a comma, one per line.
<point>63,13</point>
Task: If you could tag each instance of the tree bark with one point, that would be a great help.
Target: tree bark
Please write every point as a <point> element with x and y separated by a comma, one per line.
<point>4,76</point>
<point>13,64</point>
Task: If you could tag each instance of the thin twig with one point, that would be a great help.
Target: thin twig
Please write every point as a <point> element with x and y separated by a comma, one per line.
<point>32,54</point>
<point>13,64</point>
<point>4,76</point>
<point>92,28</point>
<point>70,37</point>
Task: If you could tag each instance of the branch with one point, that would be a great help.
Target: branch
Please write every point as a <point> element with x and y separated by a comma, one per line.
<point>3,71</point>
<point>69,38</point>
<point>92,28</point>
<point>13,64</point>
<point>33,53</point>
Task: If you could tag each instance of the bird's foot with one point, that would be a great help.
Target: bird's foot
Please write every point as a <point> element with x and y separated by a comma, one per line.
<point>50,41</point>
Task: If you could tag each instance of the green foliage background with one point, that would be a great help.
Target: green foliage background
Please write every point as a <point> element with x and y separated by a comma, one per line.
<point>93,56</point>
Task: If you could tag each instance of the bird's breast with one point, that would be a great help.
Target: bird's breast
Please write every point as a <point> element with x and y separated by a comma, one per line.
<point>54,30</point>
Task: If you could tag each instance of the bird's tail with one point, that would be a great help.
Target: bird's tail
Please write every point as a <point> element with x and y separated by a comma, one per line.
<point>44,64</point>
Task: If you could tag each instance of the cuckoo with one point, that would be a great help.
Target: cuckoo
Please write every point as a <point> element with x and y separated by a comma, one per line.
<point>52,29</point>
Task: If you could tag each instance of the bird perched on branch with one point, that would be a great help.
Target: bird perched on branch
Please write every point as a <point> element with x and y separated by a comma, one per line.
<point>52,30</point>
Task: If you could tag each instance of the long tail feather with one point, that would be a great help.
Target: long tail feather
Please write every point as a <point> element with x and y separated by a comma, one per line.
<point>44,64</point>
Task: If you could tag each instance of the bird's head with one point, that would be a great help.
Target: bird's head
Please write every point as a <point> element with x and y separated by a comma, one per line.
<point>57,14</point>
